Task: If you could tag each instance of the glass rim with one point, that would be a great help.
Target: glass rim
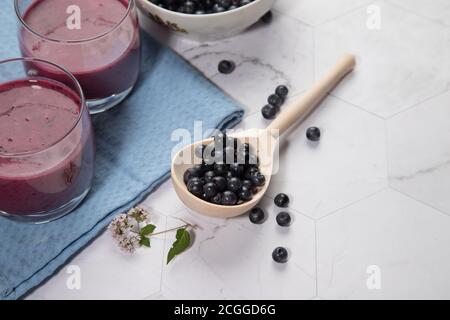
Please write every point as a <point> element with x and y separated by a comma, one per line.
<point>83,106</point>
<point>29,28</point>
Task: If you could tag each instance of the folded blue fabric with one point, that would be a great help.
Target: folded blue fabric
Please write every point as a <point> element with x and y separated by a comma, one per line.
<point>133,157</point>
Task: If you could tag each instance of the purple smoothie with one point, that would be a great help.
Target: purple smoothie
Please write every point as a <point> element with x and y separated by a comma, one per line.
<point>46,146</point>
<point>103,55</point>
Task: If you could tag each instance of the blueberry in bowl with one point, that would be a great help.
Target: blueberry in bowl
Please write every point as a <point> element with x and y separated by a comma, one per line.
<point>203,20</point>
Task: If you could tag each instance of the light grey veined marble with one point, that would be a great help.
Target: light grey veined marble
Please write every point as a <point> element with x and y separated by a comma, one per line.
<point>370,202</point>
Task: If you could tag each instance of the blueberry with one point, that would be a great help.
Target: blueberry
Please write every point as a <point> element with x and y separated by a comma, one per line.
<point>191,173</point>
<point>281,200</point>
<point>250,172</point>
<point>234,184</point>
<point>220,169</point>
<point>205,167</point>
<point>224,3</point>
<point>221,183</point>
<point>195,187</point>
<point>282,91</point>
<point>217,199</point>
<point>189,7</point>
<point>210,189</point>
<point>199,151</point>
<point>217,9</point>
<point>229,175</point>
<point>245,194</point>
<point>247,183</point>
<point>258,179</point>
<point>269,111</point>
<point>226,66</point>
<point>237,169</point>
<point>257,216</point>
<point>209,175</point>
<point>280,255</point>
<point>283,219</point>
<point>313,134</point>
<point>229,198</point>
<point>275,100</point>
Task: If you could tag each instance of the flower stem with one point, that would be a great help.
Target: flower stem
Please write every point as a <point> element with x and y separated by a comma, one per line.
<point>187,225</point>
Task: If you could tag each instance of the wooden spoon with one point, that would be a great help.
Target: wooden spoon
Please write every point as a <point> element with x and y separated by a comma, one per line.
<point>266,142</point>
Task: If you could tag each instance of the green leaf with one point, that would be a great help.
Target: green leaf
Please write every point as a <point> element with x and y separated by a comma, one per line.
<point>148,229</point>
<point>182,242</point>
<point>145,241</point>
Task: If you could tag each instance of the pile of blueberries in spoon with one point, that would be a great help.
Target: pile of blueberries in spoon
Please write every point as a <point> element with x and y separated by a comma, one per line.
<point>201,6</point>
<point>228,174</point>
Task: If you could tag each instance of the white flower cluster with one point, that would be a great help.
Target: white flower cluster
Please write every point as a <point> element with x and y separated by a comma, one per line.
<point>125,229</point>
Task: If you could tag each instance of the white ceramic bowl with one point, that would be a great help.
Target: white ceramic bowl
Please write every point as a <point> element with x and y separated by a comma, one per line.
<point>207,27</point>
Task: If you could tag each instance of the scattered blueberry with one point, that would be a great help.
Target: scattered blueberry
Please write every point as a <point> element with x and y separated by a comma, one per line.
<point>275,100</point>
<point>280,255</point>
<point>257,215</point>
<point>313,134</point>
<point>281,200</point>
<point>284,219</point>
<point>282,91</point>
<point>269,111</point>
<point>226,66</point>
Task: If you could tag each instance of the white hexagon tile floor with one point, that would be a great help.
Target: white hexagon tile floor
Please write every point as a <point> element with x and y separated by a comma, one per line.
<point>373,192</point>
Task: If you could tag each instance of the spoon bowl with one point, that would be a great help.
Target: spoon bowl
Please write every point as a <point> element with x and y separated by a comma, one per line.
<point>264,142</point>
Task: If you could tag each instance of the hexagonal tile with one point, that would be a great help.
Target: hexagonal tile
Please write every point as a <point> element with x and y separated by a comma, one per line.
<point>348,164</point>
<point>232,260</point>
<point>398,66</point>
<point>439,10</point>
<point>315,12</point>
<point>387,238</point>
<point>419,152</point>
<point>102,266</point>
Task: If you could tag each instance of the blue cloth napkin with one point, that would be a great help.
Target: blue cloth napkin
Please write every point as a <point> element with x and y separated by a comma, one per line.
<point>133,157</point>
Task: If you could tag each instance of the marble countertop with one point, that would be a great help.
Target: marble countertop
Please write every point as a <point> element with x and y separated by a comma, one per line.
<point>370,202</point>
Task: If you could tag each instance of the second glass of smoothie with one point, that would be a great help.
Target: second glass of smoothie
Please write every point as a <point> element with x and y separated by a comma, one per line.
<point>96,40</point>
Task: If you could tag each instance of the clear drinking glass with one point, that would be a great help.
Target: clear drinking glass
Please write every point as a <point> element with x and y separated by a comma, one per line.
<point>46,141</point>
<point>98,41</point>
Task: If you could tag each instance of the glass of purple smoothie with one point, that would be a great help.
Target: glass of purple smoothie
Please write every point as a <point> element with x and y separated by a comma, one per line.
<point>98,41</point>
<point>46,141</point>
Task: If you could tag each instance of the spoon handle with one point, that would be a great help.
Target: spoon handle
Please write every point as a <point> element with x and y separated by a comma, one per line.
<point>309,100</point>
